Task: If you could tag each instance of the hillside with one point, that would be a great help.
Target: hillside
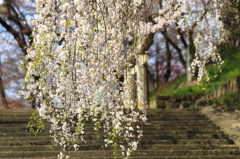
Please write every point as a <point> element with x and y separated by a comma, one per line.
<point>230,69</point>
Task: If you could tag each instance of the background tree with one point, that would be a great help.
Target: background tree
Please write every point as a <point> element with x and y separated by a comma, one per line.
<point>15,38</point>
<point>180,38</point>
<point>231,20</point>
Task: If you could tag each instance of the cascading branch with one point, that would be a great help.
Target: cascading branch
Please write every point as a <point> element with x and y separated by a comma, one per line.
<point>80,49</point>
<point>201,19</point>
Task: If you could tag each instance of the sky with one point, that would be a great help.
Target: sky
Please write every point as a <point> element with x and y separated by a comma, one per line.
<point>1,1</point>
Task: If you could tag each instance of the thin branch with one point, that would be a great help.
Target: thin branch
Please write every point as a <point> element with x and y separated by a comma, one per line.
<point>15,34</point>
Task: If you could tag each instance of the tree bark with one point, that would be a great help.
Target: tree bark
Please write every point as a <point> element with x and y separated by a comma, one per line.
<point>169,57</point>
<point>3,95</point>
<point>176,48</point>
<point>156,66</point>
<point>32,101</point>
<point>22,44</point>
<point>2,91</point>
<point>192,51</point>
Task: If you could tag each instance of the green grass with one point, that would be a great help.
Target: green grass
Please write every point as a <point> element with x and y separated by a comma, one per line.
<point>230,69</point>
<point>229,101</point>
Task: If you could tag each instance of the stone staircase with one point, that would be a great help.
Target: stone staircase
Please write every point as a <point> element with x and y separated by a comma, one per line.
<point>177,101</point>
<point>173,134</point>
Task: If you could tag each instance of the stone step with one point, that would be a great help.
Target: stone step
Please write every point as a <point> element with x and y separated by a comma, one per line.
<point>173,133</point>
<point>168,153</point>
<point>16,119</point>
<point>164,118</point>
<point>13,122</point>
<point>31,148</point>
<point>24,134</point>
<point>101,137</point>
<point>51,148</point>
<point>183,132</point>
<point>186,142</point>
<point>188,147</point>
<point>109,153</point>
<point>179,118</point>
<point>156,112</point>
<point>148,132</point>
<point>139,157</point>
<point>174,110</point>
<point>151,119</point>
<point>159,110</point>
<point>184,136</point>
<point>29,111</point>
<point>30,138</point>
<point>27,143</point>
<point>179,124</point>
<point>150,116</point>
<point>23,125</point>
<point>23,142</point>
<point>24,121</point>
<point>140,147</point>
<point>176,128</point>
<point>145,129</point>
<point>94,133</point>
<point>18,130</point>
<point>155,122</point>
<point>16,114</point>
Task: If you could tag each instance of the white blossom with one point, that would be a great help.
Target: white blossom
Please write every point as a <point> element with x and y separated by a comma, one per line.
<point>80,51</point>
<point>42,112</point>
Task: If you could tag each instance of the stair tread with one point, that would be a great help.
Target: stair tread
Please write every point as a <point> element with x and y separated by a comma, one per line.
<point>173,133</point>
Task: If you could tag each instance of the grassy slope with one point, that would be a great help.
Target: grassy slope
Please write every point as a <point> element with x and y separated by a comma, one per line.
<point>230,69</point>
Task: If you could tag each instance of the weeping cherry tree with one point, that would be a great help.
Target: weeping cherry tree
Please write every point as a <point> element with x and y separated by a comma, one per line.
<point>80,49</point>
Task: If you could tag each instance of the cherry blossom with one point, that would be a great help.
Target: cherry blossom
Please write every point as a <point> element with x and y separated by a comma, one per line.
<point>80,49</point>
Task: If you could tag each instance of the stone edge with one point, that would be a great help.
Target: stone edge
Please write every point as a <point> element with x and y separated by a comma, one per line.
<point>227,123</point>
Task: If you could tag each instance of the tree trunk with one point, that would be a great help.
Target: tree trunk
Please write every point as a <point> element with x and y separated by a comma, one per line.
<point>3,95</point>
<point>192,51</point>
<point>188,71</point>
<point>169,57</point>
<point>32,101</point>
<point>2,91</point>
<point>156,66</point>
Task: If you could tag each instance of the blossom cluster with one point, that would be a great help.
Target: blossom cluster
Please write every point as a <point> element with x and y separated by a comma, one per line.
<point>80,49</point>
<point>202,18</point>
